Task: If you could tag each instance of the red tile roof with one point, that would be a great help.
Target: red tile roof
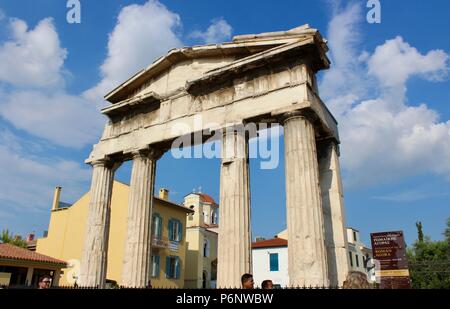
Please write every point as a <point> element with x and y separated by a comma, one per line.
<point>206,198</point>
<point>270,243</point>
<point>11,252</point>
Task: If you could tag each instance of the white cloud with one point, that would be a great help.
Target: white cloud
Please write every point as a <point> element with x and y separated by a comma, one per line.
<point>29,180</point>
<point>142,34</point>
<point>32,58</point>
<point>219,31</point>
<point>33,98</point>
<point>395,61</point>
<point>61,118</point>
<point>410,195</point>
<point>345,60</point>
<point>31,64</point>
<point>383,138</point>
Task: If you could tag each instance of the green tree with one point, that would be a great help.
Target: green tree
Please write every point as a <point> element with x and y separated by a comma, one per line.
<point>419,231</point>
<point>447,231</point>
<point>429,263</point>
<point>8,238</point>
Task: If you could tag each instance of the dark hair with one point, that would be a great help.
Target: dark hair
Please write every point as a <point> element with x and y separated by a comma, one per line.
<point>265,283</point>
<point>356,280</point>
<point>246,277</point>
<point>41,278</point>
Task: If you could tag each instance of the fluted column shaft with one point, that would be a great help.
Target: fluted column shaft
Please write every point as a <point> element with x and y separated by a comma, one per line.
<point>234,252</point>
<point>94,256</point>
<point>334,214</point>
<point>306,249</point>
<point>137,258</point>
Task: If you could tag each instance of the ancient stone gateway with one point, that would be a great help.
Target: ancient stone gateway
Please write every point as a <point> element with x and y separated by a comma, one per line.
<point>268,77</point>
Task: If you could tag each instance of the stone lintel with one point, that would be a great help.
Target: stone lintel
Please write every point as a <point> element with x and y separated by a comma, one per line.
<point>235,112</point>
<point>136,102</point>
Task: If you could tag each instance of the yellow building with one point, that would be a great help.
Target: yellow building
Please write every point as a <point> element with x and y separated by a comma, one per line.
<point>67,230</point>
<point>201,241</point>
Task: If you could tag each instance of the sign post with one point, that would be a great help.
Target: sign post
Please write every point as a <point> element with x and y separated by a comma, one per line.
<point>389,250</point>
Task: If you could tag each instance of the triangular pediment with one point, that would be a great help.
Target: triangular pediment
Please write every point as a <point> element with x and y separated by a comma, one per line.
<point>179,68</point>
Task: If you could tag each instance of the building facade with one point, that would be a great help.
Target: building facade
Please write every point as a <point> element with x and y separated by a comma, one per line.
<point>360,256</point>
<point>270,261</point>
<point>201,241</point>
<point>168,246</point>
<point>270,258</point>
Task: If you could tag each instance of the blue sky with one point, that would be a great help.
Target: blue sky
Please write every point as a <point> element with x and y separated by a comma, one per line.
<point>388,87</point>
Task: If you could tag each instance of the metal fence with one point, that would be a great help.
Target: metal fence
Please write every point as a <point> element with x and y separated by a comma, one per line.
<point>72,287</point>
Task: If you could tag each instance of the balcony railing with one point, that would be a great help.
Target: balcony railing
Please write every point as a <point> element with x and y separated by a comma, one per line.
<point>160,242</point>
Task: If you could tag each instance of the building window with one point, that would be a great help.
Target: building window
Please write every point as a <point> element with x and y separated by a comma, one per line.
<point>205,247</point>
<point>354,236</point>
<point>214,217</point>
<point>357,260</point>
<point>273,260</point>
<point>175,230</point>
<point>351,259</point>
<point>155,266</point>
<point>206,214</point>
<point>173,267</point>
<point>157,226</point>
<point>191,215</point>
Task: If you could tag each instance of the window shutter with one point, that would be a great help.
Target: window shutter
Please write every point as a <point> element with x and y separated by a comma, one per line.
<point>177,268</point>
<point>152,272</point>
<point>273,257</point>
<point>157,266</point>
<point>180,231</point>
<point>159,226</point>
<point>167,267</point>
<point>171,229</point>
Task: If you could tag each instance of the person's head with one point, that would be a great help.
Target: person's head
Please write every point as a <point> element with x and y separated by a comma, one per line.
<point>267,284</point>
<point>356,280</point>
<point>44,282</point>
<point>247,281</point>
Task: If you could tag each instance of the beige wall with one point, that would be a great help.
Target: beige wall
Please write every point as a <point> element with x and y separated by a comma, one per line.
<point>67,228</point>
<point>196,263</point>
<point>196,232</point>
<point>193,257</point>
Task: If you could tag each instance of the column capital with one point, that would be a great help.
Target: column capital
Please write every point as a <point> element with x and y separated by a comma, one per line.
<point>149,152</point>
<point>329,143</point>
<point>106,162</point>
<point>302,113</point>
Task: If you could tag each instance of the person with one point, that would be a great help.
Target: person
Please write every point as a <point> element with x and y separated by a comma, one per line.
<point>267,285</point>
<point>356,280</point>
<point>247,281</point>
<point>44,282</point>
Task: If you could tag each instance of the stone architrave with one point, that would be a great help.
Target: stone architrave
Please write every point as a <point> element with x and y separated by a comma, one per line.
<point>307,258</point>
<point>137,258</point>
<point>94,257</point>
<point>333,212</point>
<point>234,240</point>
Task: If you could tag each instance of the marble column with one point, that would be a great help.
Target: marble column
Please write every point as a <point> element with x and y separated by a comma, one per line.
<point>307,259</point>
<point>333,212</point>
<point>94,256</point>
<point>137,258</point>
<point>234,243</point>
